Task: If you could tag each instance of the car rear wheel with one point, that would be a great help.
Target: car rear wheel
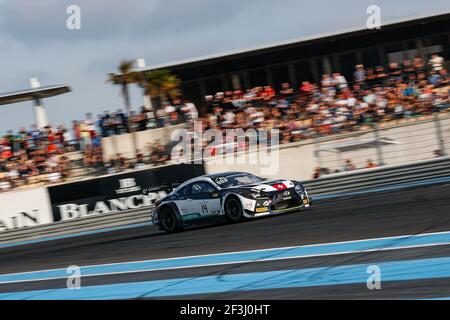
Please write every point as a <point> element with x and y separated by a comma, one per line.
<point>233,210</point>
<point>168,220</point>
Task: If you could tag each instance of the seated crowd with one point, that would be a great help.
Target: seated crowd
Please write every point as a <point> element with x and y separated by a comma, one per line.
<point>33,156</point>
<point>171,113</point>
<point>336,105</point>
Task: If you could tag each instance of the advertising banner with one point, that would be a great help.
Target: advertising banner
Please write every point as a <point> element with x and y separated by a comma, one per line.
<point>115,193</point>
<point>20,209</point>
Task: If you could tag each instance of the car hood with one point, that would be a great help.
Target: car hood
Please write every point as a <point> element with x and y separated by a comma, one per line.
<point>267,185</point>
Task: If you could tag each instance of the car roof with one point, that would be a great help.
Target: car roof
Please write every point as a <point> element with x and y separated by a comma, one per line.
<point>221,174</point>
<point>207,178</point>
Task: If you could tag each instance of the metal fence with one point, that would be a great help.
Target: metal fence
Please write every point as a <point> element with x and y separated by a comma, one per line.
<point>407,140</point>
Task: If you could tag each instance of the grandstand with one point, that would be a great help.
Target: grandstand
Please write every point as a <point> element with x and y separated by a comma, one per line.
<point>307,58</point>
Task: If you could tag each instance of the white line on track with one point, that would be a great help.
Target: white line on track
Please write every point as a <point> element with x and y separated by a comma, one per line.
<point>241,261</point>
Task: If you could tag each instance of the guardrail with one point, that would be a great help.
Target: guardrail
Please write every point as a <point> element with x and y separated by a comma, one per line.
<point>385,176</point>
<point>425,172</point>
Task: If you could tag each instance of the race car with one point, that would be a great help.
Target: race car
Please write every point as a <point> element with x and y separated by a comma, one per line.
<point>233,195</point>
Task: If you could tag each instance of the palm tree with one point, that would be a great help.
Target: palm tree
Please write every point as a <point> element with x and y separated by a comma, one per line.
<point>124,79</point>
<point>160,84</point>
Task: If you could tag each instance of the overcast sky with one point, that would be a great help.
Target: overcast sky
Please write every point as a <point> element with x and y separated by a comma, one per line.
<point>34,40</point>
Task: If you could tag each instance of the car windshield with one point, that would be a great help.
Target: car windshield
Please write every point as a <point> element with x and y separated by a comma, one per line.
<point>237,179</point>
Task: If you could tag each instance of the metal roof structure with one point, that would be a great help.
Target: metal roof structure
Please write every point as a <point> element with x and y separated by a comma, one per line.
<point>33,94</point>
<point>277,45</point>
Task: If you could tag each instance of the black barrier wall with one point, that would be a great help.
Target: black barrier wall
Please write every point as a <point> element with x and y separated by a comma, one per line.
<point>127,191</point>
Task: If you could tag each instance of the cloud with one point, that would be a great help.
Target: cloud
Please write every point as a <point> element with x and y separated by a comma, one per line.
<point>44,22</point>
<point>34,40</point>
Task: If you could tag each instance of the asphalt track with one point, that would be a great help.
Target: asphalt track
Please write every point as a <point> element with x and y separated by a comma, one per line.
<point>418,269</point>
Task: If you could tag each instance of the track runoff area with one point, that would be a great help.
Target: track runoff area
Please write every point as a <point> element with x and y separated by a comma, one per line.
<point>392,245</point>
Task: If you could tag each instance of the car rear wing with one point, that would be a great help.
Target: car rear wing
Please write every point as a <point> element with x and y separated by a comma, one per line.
<point>164,187</point>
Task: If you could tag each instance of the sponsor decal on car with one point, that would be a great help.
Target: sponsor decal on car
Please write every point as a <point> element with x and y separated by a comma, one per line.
<point>249,204</point>
<point>279,186</point>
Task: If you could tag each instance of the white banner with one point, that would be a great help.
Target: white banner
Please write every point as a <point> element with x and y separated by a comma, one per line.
<point>20,209</point>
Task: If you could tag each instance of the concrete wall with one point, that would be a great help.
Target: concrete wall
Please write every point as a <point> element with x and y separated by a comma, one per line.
<point>415,141</point>
<point>295,162</point>
<point>124,143</point>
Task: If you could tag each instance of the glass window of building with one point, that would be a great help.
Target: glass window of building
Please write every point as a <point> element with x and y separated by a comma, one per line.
<point>258,78</point>
<point>347,62</point>
<point>280,75</point>
<point>371,57</point>
<point>303,72</point>
<point>214,85</point>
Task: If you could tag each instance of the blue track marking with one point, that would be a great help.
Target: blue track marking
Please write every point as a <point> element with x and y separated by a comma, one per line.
<point>367,245</point>
<point>296,278</point>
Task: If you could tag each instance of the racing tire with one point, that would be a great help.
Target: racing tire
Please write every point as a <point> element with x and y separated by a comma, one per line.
<point>168,220</point>
<point>233,210</point>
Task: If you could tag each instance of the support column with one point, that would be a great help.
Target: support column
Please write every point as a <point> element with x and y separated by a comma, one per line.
<point>378,145</point>
<point>40,117</point>
<point>439,136</point>
<point>315,71</point>
<point>292,76</point>
<point>147,99</point>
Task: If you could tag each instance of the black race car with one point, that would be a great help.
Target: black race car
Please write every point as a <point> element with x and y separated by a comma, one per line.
<point>235,195</point>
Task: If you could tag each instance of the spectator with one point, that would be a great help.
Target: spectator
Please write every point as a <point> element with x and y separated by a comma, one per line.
<point>370,164</point>
<point>359,75</point>
<point>349,166</point>
<point>438,153</point>
<point>140,162</point>
<point>122,162</point>
<point>316,173</point>
<point>190,111</point>
<point>159,155</point>
<point>436,62</point>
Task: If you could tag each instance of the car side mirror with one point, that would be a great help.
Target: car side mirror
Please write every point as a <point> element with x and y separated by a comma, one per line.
<point>214,195</point>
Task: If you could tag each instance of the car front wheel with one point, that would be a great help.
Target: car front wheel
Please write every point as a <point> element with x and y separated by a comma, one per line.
<point>233,209</point>
<point>168,220</point>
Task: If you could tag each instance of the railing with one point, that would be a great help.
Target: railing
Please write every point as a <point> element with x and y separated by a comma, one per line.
<point>378,179</point>
<point>421,138</point>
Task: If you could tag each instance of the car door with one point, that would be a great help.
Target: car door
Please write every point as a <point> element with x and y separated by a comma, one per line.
<point>206,199</point>
<point>185,204</point>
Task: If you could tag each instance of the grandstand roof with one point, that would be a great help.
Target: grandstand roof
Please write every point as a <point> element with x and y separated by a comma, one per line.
<point>333,35</point>
<point>33,93</point>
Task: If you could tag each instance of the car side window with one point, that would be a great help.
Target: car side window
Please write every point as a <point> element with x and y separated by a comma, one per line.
<point>184,192</point>
<point>202,189</point>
